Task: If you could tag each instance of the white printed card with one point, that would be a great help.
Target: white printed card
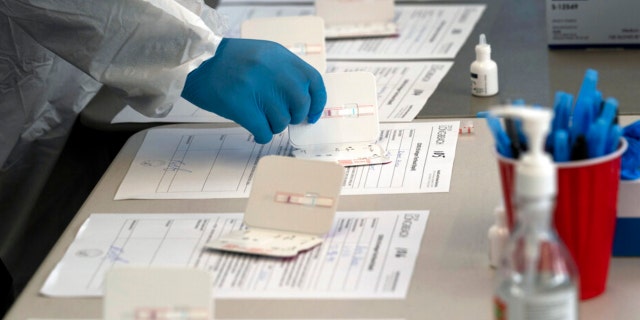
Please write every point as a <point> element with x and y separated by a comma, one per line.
<point>290,208</point>
<point>349,127</point>
<point>302,35</point>
<point>357,18</point>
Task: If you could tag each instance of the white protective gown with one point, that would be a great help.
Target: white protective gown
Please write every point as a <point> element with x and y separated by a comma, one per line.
<point>55,55</point>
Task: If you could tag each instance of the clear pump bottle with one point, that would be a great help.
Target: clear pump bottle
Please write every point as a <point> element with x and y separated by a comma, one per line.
<point>498,235</point>
<point>537,278</point>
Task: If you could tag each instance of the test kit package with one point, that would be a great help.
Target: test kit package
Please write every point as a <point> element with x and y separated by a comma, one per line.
<point>302,35</point>
<point>348,129</point>
<point>291,206</point>
<point>626,241</point>
<point>593,22</point>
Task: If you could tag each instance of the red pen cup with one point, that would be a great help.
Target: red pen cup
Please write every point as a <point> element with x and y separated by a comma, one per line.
<point>585,214</point>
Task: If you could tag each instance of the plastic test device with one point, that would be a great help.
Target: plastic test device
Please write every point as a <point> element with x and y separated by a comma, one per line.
<point>291,206</point>
<point>349,127</point>
<point>154,293</point>
<point>302,35</point>
<point>357,18</point>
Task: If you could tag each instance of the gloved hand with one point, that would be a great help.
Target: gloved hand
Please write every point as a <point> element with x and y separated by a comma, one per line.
<point>259,84</point>
<point>630,162</point>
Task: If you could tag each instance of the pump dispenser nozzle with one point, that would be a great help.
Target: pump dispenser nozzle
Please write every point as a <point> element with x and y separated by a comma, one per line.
<point>536,173</point>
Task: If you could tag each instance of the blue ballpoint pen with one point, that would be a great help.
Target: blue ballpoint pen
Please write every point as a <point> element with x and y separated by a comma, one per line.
<point>597,103</point>
<point>557,101</point>
<point>561,116</point>
<point>588,86</point>
<point>503,143</point>
<point>597,138</point>
<point>581,119</point>
<point>609,110</point>
<point>583,113</point>
<point>561,146</point>
<point>565,111</point>
<point>482,114</point>
<point>613,138</point>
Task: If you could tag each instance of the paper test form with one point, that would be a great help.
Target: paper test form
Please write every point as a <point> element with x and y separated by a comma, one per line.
<point>426,31</point>
<point>358,258</point>
<point>177,163</point>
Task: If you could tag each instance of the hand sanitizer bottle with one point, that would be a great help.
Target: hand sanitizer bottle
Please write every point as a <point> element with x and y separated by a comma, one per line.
<point>537,278</point>
<point>484,71</point>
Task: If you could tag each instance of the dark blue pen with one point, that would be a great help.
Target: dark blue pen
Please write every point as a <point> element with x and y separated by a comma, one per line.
<point>512,133</point>
<point>579,149</point>
<point>503,143</point>
<point>522,138</point>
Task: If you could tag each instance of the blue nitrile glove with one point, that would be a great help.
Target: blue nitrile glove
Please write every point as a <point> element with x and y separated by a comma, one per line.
<point>630,162</point>
<point>259,84</point>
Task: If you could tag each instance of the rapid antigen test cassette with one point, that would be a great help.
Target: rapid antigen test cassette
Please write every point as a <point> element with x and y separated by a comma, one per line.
<point>141,293</point>
<point>348,129</point>
<point>357,18</point>
<point>302,35</point>
<point>291,206</point>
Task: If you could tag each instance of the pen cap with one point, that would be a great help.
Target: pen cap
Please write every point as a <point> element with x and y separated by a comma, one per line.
<point>535,170</point>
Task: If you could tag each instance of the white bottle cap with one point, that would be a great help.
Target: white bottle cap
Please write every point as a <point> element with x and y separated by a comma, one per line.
<point>483,49</point>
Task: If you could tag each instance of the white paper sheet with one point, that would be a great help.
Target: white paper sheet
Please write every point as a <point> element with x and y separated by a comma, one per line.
<point>177,163</point>
<point>403,90</point>
<point>403,87</point>
<point>366,255</point>
<point>427,31</point>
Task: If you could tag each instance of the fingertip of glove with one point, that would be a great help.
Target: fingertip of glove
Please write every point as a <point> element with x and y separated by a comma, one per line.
<point>262,139</point>
<point>313,118</point>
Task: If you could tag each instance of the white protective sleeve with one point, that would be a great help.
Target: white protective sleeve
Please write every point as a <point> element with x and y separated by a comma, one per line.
<point>142,48</point>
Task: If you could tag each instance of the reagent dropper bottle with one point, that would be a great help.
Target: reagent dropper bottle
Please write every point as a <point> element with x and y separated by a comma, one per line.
<point>484,71</point>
